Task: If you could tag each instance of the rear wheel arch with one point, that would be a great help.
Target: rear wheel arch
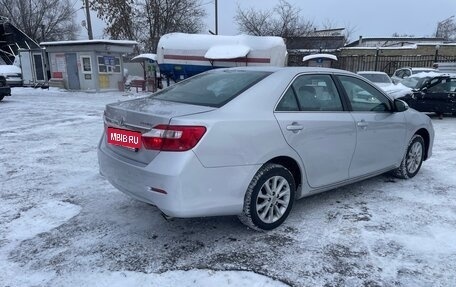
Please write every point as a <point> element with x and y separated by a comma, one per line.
<point>290,164</point>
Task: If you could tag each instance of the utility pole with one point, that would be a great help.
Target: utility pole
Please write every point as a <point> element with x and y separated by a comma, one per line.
<point>89,23</point>
<point>216,18</point>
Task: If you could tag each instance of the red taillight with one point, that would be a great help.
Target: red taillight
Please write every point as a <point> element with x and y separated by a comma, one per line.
<point>173,138</point>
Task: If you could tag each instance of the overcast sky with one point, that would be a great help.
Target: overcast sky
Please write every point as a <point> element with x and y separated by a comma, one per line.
<point>367,17</point>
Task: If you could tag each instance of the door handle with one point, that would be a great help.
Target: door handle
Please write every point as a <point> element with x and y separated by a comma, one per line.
<point>295,127</point>
<point>362,124</point>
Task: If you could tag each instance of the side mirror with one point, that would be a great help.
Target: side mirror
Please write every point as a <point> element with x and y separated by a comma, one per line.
<point>400,106</point>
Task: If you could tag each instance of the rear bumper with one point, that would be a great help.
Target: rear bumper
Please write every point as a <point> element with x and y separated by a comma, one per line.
<point>5,91</point>
<point>192,190</point>
<point>15,83</point>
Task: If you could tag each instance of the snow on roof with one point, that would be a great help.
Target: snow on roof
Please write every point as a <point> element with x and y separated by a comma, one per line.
<point>411,46</point>
<point>317,56</point>
<point>82,42</point>
<point>426,74</point>
<point>204,42</point>
<point>144,57</point>
<point>372,72</point>
<point>10,69</point>
<point>227,52</point>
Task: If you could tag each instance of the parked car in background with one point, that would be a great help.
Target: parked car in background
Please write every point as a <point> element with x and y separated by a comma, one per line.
<point>12,74</point>
<point>4,88</point>
<point>248,141</point>
<point>415,82</point>
<point>403,73</point>
<point>436,94</point>
<point>381,79</point>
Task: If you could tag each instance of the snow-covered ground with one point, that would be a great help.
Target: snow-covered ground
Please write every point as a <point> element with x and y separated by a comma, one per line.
<point>62,224</point>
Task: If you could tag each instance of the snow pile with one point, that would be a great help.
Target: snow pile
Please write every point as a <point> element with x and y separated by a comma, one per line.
<point>204,41</point>
<point>191,278</point>
<point>424,74</point>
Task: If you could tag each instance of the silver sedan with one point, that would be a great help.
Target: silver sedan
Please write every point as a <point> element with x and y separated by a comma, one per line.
<point>249,141</point>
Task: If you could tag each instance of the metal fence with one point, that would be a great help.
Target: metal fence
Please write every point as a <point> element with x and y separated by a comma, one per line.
<point>388,64</point>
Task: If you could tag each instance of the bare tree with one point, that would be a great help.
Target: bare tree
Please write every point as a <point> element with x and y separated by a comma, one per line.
<point>446,29</point>
<point>42,20</point>
<point>404,35</point>
<point>348,31</point>
<point>146,20</point>
<point>283,20</point>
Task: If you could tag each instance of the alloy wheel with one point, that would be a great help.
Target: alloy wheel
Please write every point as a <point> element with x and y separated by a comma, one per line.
<point>273,199</point>
<point>414,157</point>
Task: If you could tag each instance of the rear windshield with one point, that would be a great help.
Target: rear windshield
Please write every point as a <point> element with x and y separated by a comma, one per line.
<point>211,89</point>
<point>377,78</point>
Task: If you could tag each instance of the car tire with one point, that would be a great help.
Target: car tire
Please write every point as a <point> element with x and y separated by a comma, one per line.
<point>269,197</point>
<point>411,163</point>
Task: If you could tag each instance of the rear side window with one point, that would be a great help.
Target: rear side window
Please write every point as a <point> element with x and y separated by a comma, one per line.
<point>212,89</point>
<point>311,93</point>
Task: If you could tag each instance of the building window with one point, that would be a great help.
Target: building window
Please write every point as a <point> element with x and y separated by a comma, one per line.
<point>86,64</point>
<point>108,64</point>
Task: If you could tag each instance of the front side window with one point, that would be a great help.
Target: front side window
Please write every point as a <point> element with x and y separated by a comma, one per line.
<point>441,85</point>
<point>363,96</point>
<point>211,89</point>
<point>312,93</point>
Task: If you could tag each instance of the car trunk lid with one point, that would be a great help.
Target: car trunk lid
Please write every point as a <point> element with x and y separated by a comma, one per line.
<point>141,115</point>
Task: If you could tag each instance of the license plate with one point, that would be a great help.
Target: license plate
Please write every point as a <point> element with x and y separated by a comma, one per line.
<point>124,138</point>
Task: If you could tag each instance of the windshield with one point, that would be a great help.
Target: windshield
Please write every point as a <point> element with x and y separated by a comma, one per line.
<point>211,89</point>
<point>377,78</point>
<point>414,82</point>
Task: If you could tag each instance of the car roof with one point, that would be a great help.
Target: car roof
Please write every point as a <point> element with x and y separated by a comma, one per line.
<point>424,69</point>
<point>431,74</point>
<point>372,72</point>
<point>290,70</point>
<point>417,68</point>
